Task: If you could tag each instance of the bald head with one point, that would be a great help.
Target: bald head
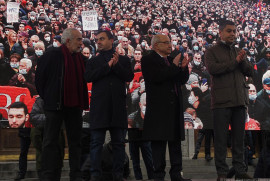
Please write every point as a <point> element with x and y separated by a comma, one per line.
<point>161,44</point>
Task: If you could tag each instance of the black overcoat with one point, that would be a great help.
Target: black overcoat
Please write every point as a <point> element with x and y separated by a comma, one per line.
<point>164,119</point>
<point>108,96</point>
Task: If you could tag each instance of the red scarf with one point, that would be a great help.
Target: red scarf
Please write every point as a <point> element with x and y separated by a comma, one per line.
<point>75,87</point>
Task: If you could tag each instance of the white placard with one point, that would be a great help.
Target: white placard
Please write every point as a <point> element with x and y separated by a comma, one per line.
<point>89,20</point>
<point>13,12</point>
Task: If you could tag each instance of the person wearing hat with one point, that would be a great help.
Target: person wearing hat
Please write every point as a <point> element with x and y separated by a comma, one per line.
<point>262,66</point>
<point>21,45</point>
<point>8,28</point>
<point>57,41</point>
<point>32,19</point>
<point>184,46</point>
<point>263,97</point>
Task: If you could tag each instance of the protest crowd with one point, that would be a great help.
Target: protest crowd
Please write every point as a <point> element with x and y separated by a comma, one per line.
<point>191,25</point>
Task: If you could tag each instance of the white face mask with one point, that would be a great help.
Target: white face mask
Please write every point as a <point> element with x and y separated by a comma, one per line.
<point>191,99</point>
<point>39,52</point>
<point>119,37</point>
<point>196,62</point>
<point>32,18</point>
<point>25,55</point>
<point>252,96</point>
<point>143,44</point>
<point>174,43</point>
<point>182,33</point>
<point>267,91</point>
<point>47,38</point>
<point>55,44</point>
<point>14,65</point>
<point>196,48</point>
<point>22,71</point>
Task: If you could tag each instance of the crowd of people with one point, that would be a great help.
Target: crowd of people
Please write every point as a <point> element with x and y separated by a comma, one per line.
<point>192,28</point>
<point>191,25</point>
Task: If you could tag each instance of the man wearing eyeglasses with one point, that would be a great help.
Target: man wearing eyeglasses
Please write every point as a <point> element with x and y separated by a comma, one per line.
<point>164,119</point>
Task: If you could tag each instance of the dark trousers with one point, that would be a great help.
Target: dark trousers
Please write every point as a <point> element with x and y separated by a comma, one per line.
<point>263,165</point>
<point>118,148</point>
<point>158,154</point>
<point>134,148</point>
<point>37,139</point>
<point>235,116</point>
<point>25,144</point>
<point>207,134</point>
<point>51,152</point>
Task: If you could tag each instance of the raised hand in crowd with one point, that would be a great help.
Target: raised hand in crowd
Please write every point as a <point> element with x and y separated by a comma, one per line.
<point>186,60</point>
<point>204,87</point>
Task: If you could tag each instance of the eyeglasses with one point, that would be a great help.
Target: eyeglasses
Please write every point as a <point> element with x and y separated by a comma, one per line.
<point>165,42</point>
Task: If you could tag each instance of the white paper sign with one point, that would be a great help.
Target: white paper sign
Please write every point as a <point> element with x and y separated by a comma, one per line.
<point>13,12</point>
<point>89,20</point>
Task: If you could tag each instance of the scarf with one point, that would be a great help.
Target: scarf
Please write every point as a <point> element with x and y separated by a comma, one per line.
<point>75,87</point>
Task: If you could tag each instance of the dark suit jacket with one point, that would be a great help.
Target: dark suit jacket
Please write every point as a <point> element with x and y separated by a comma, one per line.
<point>108,97</point>
<point>164,118</point>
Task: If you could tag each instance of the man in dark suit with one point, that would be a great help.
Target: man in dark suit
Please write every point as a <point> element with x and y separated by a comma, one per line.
<point>109,73</point>
<point>164,119</point>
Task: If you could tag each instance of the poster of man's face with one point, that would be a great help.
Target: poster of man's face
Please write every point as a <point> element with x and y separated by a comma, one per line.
<point>17,117</point>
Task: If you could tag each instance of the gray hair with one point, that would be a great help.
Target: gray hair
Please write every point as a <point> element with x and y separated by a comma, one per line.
<point>40,44</point>
<point>67,34</point>
<point>155,39</point>
<point>27,61</point>
<point>34,36</point>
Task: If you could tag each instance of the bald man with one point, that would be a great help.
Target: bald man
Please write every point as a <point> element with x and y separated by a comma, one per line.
<point>164,120</point>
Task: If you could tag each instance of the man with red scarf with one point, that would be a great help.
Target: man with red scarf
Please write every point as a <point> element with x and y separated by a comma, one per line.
<point>60,83</point>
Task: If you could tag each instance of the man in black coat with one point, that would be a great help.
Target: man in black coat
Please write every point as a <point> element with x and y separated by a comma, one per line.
<point>109,73</point>
<point>60,83</point>
<point>164,119</point>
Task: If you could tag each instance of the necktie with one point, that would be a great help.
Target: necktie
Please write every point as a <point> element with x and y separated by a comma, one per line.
<point>166,61</point>
<point>175,85</point>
